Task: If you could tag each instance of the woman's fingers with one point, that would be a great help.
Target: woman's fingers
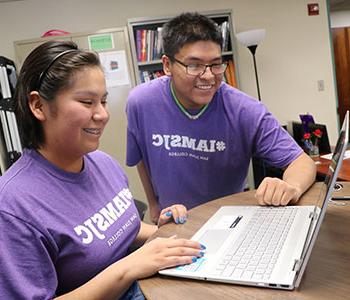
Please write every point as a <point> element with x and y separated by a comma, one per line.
<point>162,253</point>
<point>177,212</point>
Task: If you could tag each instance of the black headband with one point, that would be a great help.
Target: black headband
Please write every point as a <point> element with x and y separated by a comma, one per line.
<point>43,73</point>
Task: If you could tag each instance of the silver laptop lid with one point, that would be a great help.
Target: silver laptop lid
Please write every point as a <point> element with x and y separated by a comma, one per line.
<point>325,195</point>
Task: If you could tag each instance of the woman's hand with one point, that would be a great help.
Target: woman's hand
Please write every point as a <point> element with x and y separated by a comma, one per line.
<point>176,212</point>
<point>162,253</point>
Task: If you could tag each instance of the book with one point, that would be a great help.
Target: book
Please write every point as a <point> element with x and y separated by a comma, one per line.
<point>148,45</point>
<point>227,76</point>
<point>159,44</point>
<point>146,76</point>
<point>154,45</point>
<point>143,45</point>
<point>231,67</point>
<point>138,43</point>
<point>224,27</point>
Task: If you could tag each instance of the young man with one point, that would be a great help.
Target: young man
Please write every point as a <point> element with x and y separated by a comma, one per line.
<point>192,136</point>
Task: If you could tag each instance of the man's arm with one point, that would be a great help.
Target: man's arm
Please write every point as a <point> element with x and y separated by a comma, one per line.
<point>151,197</point>
<point>297,178</point>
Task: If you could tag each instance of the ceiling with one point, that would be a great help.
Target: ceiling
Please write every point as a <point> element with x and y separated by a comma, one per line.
<point>335,5</point>
<point>2,1</point>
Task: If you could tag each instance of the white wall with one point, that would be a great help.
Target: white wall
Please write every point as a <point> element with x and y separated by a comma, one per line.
<point>340,19</point>
<point>294,55</point>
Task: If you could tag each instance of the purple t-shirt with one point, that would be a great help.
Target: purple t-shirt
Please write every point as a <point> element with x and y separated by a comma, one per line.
<point>194,161</point>
<point>60,229</point>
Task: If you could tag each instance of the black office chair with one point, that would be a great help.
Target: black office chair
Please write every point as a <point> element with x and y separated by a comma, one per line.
<point>141,208</point>
<point>262,169</point>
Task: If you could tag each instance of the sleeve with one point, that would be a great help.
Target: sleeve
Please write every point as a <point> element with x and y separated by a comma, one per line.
<point>261,134</point>
<point>133,151</point>
<point>27,268</point>
<point>273,143</point>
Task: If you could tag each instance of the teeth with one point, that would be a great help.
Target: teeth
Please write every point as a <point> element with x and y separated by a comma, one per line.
<point>92,130</point>
<point>204,87</point>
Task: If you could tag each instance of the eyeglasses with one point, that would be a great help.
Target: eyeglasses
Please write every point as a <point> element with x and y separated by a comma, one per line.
<point>199,69</point>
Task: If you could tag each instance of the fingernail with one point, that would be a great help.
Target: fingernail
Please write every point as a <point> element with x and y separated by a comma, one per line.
<point>203,247</point>
<point>177,220</point>
<point>194,259</point>
<point>168,214</point>
<point>201,253</point>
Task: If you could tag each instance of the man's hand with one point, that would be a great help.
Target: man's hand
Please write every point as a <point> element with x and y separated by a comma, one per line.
<point>274,191</point>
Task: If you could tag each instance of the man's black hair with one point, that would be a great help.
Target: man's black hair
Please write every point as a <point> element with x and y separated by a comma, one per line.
<point>188,28</point>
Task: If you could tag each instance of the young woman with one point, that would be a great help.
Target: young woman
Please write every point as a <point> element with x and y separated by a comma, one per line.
<point>67,217</point>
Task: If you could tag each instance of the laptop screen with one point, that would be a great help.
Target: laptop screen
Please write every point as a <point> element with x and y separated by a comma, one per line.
<point>325,193</point>
<point>334,166</point>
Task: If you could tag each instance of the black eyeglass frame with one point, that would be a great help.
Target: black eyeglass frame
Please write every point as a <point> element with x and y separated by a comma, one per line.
<point>204,65</point>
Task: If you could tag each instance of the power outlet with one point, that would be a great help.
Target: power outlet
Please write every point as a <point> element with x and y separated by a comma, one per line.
<point>320,85</point>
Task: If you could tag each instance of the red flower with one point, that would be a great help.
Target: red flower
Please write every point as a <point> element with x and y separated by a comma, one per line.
<point>318,133</point>
<point>311,139</point>
<point>307,136</point>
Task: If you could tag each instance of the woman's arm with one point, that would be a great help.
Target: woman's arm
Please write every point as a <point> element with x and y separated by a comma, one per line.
<point>146,230</point>
<point>156,255</point>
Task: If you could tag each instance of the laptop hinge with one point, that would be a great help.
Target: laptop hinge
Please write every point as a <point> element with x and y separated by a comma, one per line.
<point>313,215</point>
<point>297,264</point>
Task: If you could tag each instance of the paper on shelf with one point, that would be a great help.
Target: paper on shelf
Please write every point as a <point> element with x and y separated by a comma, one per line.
<point>329,156</point>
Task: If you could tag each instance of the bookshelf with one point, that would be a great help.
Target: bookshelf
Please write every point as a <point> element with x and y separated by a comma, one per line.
<point>146,50</point>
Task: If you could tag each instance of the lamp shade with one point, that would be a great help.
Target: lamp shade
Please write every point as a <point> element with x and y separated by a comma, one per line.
<point>251,37</point>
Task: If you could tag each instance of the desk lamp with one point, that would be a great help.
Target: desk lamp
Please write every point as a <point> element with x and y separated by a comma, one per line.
<point>251,40</point>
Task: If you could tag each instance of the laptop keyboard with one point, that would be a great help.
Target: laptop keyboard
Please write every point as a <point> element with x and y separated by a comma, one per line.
<point>254,254</point>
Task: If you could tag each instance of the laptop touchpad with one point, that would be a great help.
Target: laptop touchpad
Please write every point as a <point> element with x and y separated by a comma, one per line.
<point>213,239</point>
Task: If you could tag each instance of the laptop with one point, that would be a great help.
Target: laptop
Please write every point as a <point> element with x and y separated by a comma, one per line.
<point>263,246</point>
